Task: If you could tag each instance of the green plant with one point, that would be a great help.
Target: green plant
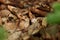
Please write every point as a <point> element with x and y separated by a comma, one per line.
<point>3,33</point>
<point>54,17</point>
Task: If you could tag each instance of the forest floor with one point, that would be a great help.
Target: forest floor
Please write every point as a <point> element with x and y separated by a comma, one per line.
<point>25,20</point>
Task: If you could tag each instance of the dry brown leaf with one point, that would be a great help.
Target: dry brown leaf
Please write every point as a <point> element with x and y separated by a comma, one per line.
<point>37,11</point>
<point>5,1</point>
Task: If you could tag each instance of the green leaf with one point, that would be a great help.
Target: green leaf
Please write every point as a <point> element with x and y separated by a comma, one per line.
<point>56,6</point>
<point>3,33</point>
<point>54,17</point>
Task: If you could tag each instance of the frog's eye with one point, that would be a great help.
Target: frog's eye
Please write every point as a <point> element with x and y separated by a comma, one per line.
<point>10,18</point>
